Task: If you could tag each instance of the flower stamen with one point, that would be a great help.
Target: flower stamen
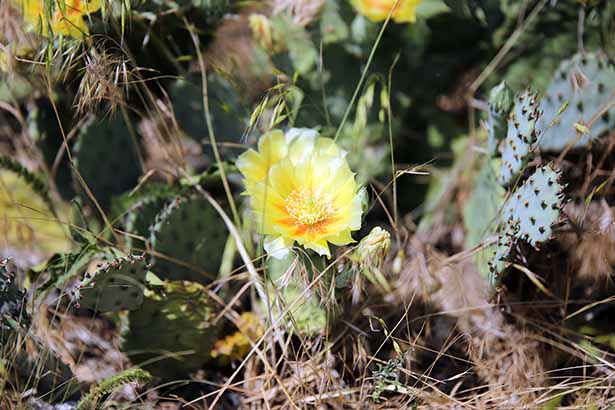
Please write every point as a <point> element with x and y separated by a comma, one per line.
<point>305,208</point>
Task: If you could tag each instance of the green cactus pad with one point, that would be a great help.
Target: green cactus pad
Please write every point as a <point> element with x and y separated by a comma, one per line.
<point>530,213</point>
<point>179,315</point>
<point>521,137</point>
<point>188,240</point>
<point>141,216</point>
<point>115,285</point>
<point>106,159</point>
<point>44,128</point>
<point>500,103</point>
<point>536,205</point>
<point>227,111</point>
<point>583,85</point>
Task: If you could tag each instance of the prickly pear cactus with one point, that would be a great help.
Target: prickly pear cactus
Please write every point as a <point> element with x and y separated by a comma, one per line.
<point>500,103</point>
<point>44,129</point>
<point>529,214</point>
<point>521,137</point>
<point>579,91</point>
<point>227,111</point>
<point>106,159</point>
<point>180,315</point>
<point>188,240</point>
<point>115,285</point>
<point>141,215</point>
<point>536,205</point>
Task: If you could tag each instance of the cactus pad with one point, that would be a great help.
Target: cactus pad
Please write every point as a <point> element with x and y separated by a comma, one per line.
<point>190,231</point>
<point>500,103</point>
<point>141,216</point>
<point>226,108</point>
<point>586,83</point>
<point>179,315</point>
<point>521,137</point>
<point>106,159</point>
<point>115,285</point>
<point>529,214</point>
<point>536,205</point>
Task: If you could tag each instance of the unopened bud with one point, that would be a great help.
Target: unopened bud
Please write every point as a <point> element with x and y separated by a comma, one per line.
<point>374,247</point>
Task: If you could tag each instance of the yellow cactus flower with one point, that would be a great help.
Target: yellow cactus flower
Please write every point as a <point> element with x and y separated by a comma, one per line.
<point>378,10</point>
<point>68,22</point>
<point>302,191</point>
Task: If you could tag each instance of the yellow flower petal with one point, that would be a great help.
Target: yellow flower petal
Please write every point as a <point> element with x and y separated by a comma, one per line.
<point>343,238</point>
<point>255,165</point>
<point>406,11</point>
<point>378,10</point>
<point>68,22</point>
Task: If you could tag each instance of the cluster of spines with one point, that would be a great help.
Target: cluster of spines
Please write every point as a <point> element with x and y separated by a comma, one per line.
<point>521,137</point>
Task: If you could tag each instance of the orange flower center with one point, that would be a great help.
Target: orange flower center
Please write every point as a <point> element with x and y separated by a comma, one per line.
<point>306,208</point>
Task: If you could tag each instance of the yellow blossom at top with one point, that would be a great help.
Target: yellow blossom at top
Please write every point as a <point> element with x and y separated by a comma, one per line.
<point>302,191</point>
<point>67,18</point>
<point>378,10</point>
